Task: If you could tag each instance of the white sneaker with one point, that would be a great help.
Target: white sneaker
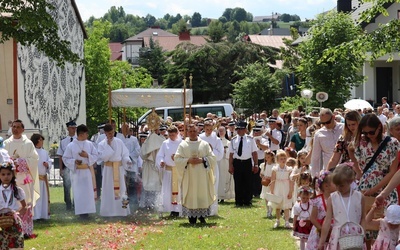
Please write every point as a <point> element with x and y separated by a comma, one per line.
<point>276,224</point>
<point>287,224</point>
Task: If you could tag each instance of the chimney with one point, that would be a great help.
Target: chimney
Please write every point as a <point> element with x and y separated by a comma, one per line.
<point>184,35</point>
<point>155,83</point>
<point>344,6</point>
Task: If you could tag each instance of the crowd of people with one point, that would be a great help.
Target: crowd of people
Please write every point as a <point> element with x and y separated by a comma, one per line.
<point>330,173</point>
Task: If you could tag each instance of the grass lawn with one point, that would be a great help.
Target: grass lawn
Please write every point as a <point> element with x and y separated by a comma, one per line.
<point>234,228</point>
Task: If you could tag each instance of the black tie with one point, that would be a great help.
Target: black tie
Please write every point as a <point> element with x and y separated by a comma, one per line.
<point>71,139</point>
<point>240,146</point>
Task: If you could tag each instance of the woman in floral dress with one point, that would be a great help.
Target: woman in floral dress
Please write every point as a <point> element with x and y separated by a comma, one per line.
<point>368,138</point>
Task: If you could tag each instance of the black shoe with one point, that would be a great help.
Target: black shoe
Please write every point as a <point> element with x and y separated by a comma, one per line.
<point>192,220</point>
<point>84,216</point>
<point>221,201</point>
<point>174,214</point>
<point>202,220</point>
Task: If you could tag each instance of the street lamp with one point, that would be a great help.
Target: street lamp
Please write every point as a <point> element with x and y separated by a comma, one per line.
<point>306,93</point>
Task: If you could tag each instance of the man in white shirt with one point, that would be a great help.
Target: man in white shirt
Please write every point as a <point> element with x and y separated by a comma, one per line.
<point>242,164</point>
<point>324,141</point>
<point>273,134</point>
<point>381,116</point>
<point>64,171</point>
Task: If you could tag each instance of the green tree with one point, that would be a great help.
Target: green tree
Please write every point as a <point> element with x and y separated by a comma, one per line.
<point>385,40</point>
<point>118,33</point>
<point>228,14</point>
<point>152,58</point>
<point>212,66</point>
<point>97,67</point>
<point>285,18</point>
<point>222,19</point>
<point>32,22</point>
<point>295,18</point>
<point>196,19</point>
<point>122,75</point>
<point>233,31</point>
<point>150,20</point>
<point>216,31</point>
<point>239,14</point>
<point>115,14</point>
<point>180,26</point>
<point>256,78</point>
<point>319,72</point>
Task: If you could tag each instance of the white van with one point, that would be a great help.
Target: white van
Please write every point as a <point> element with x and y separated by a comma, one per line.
<point>220,109</point>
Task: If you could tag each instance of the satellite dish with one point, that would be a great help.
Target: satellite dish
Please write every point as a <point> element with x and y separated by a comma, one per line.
<point>322,96</point>
<point>307,93</point>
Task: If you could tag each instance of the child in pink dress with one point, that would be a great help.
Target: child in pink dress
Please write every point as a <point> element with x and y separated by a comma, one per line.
<point>301,215</point>
<point>388,227</point>
<point>344,205</point>
<point>325,187</point>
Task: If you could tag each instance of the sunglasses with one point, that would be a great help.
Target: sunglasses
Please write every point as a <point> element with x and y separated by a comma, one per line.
<point>327,122</point>
<point>368,132</point>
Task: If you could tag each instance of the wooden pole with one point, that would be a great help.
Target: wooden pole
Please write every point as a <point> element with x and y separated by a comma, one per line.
<point>109,101</point>
<point>184,106</point>
<point>190,105</point>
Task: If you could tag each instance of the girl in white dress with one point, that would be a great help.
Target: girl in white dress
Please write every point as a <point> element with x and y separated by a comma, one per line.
<point>344,205</point>
<point>12,199</point>
<point>266,172</point>
<point>281,186</point>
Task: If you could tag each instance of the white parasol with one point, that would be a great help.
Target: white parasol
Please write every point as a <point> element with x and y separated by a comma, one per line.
<point>357,104</point>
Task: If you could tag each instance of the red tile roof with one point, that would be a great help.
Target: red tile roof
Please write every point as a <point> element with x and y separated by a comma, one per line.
<point>150,32</point>
<point>168,43</point>
<point>116,51</point>
<point>268,40</point>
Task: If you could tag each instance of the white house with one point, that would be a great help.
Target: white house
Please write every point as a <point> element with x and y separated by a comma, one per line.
<point>383,78</point>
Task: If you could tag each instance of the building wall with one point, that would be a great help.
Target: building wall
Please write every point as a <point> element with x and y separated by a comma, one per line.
<point>381,19</point>
<point>48,95</point>
<point>6,83</point>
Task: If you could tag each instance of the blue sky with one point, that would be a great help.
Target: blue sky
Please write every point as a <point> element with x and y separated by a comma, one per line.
<point>207,8</point>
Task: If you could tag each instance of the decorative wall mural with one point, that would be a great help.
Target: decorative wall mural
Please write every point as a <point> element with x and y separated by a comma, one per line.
<point>53,94</point>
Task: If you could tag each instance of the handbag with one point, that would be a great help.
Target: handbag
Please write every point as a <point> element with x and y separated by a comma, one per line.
<point>265,181</point>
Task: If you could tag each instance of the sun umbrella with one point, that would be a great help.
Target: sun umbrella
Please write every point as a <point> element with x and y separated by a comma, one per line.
<point>357,104</point>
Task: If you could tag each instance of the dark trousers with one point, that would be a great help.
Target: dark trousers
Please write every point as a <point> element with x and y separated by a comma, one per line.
<point>98,175</point>
<point>67,186</point>
<point>242,176</point>
<point>257,181</point>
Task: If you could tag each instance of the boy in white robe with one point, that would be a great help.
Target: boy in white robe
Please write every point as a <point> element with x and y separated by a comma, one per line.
<point>115,156</point>
<point>165,160</point>
<point>42,208</point>
<point>218,150</point>
<point>79,157</point>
